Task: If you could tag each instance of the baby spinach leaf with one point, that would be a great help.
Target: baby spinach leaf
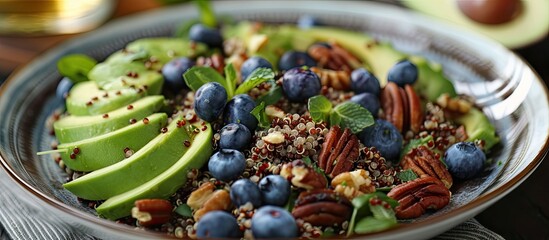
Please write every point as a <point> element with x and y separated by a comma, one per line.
<point>319,107</point>
<point>381,212</point>
<point>261,116</point>
<point>257,77</point>
<point>198,76</point>
<point>406,175</point>
<point>230,79</point>
<point>76,67</point>
<point>351,115</point>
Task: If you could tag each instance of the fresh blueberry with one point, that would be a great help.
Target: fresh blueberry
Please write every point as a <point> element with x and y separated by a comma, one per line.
<point>273,222</point>
<point>227,164</point>
<point>363,81</point>
<point>308,21</point>
<point>173,73</point>
<point>209,36</point>
<point>234,136</point>
<point>300,84</point>
<point>275,190</point>
<point>238,111</point>
<point>402,73</point>
<point>252,64</point>
<point>209,101</point>
<point>368,101</point>
<point>464,160</point>
<point>63,88</point>
<point>218,224</point>
<point>385,137</point>
<point>292,59</point>
<point>244,191</point>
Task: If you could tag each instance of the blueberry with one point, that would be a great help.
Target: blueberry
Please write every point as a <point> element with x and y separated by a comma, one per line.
<point>209,36</point>
<point>275,190</point>
<point>300,84</point>
<point>363,81</point>
<point>209,101</point>
<point>308,21</point>
<point>292,59</point>
<point>173,73</point>
<point>234,136</point>
<point>238,111</point>
<point>244,191</point>
<point>402,73</point>
<point>63,88</point>
<point>227,164</point>
<point>464,160</point>
<point>218,224</point>
<point>252,64</point>
<point>273,222</point>
<point>385,137</point>
<point>368,101</point>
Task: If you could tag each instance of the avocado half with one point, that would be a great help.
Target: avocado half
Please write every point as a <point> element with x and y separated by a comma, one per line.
<point>531,23</point>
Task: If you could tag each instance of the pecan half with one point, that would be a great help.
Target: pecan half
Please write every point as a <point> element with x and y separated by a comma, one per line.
<point>353,184</point>
<point>322,207</point>
<point>402,107</point>
<point>151,212</point>
<point>337,79</point>
<point>219,200</point>
<point>424,162</point>
<point>332,56</point>
<point>419,195</point>
<point>303,176</point>
<point>339,151</point>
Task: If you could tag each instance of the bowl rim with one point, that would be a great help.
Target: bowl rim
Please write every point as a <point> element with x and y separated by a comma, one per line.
<point>482,201</point>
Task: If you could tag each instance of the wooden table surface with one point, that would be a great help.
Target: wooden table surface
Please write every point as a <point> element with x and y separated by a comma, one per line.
<point>523,214</point>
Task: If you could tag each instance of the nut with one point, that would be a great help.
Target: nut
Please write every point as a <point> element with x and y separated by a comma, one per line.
<point>303,176</point>
<point>216,61</point>
<point>274,138</point>
<point>339,151</point>
<point>402,107</point>
<point>151,212</point>
<point>416,196</point>
<point>274,112</point>
<point>332,56</point>
<point>219,200</point>
<point>322,207</point>
<point>393,107</point>
<point>199,196</point>
<point>353,184</point>
<point>337,79</point>
<point>424,162</point>
<point>416,113</point>
<point>458,105</point>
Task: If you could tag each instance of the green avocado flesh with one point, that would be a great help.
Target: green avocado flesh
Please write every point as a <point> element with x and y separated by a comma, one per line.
<point>76,128</point>
<point>154,158</point>
<point>107,149</point>
<point>478,127</point>
<point>118,75</point>
<point>85,99</point>
<point>166,183</point>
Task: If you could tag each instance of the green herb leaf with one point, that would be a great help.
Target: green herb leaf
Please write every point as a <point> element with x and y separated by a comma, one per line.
<point>261,116</point>
<point>312,164</point>
<point>76,67</point>
<point>184,210</point>
<point>372,224</point>
<point>351,115</point>
<point>319,107</point>
<point>291,200</point>
<point>257,77</point>
<point>381,212</point>
<point>407,175</point>
<point>362,208</point>
<point>195,77</point>
<point>230,79</point>
<point>272,97</point>
<point>207,16</point>
<point>328,233</point>
<point>414,143</point>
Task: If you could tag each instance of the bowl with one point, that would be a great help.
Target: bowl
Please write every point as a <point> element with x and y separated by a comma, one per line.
<point>507,89</point>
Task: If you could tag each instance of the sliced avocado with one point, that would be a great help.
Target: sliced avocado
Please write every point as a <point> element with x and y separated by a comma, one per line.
<point>431,82</point>
<point>165,184</point>
<point>85,98</point>
<point>479,127</point>
<point>76,128</point>
<point>107,149</point>
<point>151,160</point>
<point>122,75</point>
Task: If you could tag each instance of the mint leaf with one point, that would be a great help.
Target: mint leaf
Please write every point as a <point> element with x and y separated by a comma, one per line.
<point>230,79</point>
<point>319,107</point>
<point>76,67</point>
<point>195,77</point>
<point>207,16</point>
<point>372,224</point>
<point>261,116</point>
<point>351,115</point>
<point>257,77</point>
<point>184,210</point>
<point>406,175</point>
<point>272,97</point>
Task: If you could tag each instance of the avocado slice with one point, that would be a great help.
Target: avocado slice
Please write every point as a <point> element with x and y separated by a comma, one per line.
<point>107,149</point>
<point>85,98</point>
<point>479,127</point>
<point>165,49</point>
<point>165,184</point>
<point>151,160</point>
<point>122,75</point>
<point>431,82</point>
<point>76,128</point>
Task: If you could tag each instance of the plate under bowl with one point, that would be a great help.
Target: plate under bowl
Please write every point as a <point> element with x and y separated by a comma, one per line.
<point>511,94</point>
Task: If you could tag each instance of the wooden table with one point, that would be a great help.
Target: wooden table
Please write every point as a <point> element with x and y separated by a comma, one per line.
<point>523,214</point>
